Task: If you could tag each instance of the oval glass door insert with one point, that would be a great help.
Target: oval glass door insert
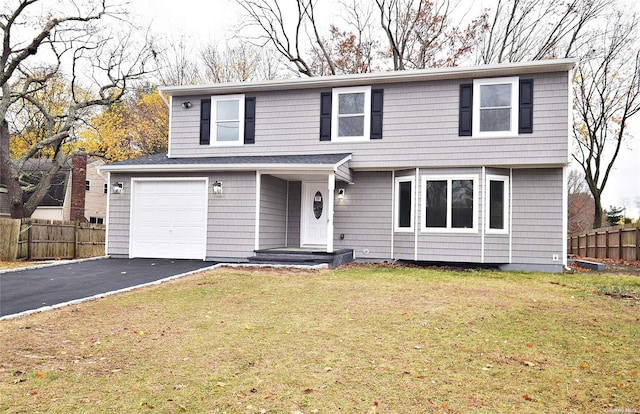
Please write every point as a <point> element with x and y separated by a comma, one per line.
<point>317,204</point>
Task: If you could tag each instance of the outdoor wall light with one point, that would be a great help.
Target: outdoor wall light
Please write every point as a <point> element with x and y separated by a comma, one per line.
<point>340,193</point>
<point>186,104</point>
<point>217,187</point>
<point>117,188</point>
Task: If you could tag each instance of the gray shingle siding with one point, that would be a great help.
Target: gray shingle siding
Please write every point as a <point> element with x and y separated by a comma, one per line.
<point>537,215</point>
<point>231,228</point>
<point>273,212</point>
<point>364,216</point>
<point>420,128</point>
<point>118,217</point>
<point>293,220</point>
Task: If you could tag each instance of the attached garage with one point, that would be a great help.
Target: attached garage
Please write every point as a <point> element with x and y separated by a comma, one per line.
<point>168,218</point>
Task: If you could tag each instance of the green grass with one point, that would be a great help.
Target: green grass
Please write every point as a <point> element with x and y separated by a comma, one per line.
<point>360,339</point>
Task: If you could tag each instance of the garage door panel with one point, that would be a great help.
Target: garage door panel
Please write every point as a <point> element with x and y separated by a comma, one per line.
<point>169,219</point>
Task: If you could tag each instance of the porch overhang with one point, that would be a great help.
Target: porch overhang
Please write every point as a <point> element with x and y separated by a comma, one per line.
<point>267,164</point>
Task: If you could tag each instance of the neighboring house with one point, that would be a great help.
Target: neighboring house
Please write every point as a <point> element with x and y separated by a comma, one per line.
<point>96,190</point>
<point>464,165</point>
<point>77,192</point>
<point>56,204</point>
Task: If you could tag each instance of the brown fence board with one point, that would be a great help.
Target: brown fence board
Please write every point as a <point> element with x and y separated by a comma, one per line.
<point>46,240</point>
<point>9,232</point>
<point>621,243</point>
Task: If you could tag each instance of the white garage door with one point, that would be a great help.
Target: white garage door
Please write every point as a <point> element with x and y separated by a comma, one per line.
<point>169,219</point>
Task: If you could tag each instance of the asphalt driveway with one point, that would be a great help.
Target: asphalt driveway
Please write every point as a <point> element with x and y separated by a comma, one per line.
<point>32,289</point>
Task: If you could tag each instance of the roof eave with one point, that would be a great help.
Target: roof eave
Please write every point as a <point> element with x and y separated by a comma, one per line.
<point>155,168</point>
<point>459,72</point>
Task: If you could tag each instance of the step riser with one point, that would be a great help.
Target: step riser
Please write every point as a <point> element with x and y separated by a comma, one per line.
<point>305,258</point>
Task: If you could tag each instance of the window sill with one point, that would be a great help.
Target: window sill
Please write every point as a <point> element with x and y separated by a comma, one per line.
<point>496,134</point>
<point>448,231</point>
<point>403,230</point>
<point>349,139</point>
<point>496,232</point>
<point>226,144</point>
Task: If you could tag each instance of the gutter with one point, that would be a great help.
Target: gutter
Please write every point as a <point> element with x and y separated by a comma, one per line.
<point>459,72</point>
<point>217,167</point>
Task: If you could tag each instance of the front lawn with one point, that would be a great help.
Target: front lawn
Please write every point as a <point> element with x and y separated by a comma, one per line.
<point>361,339</point>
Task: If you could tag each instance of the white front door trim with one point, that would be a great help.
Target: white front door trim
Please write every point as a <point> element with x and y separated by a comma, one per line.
<point>313,230</point>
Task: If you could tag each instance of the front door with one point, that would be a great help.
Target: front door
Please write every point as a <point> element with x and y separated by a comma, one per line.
<point>313,226</point>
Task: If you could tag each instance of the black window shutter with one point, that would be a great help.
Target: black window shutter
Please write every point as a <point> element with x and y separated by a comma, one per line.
<point>205,121</point>
<point>466,110</point>
<point>325,116</point>
<point>250,120</point>
<point>525,110</point>
<point>377,99</point>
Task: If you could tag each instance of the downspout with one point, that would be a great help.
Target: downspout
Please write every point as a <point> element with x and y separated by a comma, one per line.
<point>482,208</point>
<point>286,218</point>
<point>256,243</point>
<point>393,207</point>
<point>510,215</point>
<point>107,220</point>
<point>415,216</point>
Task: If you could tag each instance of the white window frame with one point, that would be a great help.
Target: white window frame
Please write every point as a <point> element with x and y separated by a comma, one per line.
<point>396,215</point>
<point>515,89</point>
<point>105,190</point>
<point>214,120</point>
<point>448,179</point>
<point>505,180</point>
<point>87,185</point>
<point>335,95</point>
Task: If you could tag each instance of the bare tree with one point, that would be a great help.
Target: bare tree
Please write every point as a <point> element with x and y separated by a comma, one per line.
<point>290,37</point>
<point>98,64</point>
<point>351,50</point>
<point>177,63</point>
<point>238,62</point>
<point>580,209</point>
<point>421,33</point>
<point>521,30</point>
<point>607,95</point>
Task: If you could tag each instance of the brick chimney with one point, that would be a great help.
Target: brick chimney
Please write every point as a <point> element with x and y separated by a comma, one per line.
<point>78,182</point>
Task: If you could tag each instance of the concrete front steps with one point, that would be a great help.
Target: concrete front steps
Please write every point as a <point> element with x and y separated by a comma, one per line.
<point>302,256</point>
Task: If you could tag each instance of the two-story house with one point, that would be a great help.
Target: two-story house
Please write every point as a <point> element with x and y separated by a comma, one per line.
<point>464,165</point>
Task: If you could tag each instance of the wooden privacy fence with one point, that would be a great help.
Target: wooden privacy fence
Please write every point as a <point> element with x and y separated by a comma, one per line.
<point>47,240</point>
<point>607,243</point>
<point>9,230</point>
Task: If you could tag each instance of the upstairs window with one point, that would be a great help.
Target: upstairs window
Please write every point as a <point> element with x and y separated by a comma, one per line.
<point>87,185</point>
<point>495,104</point>
<point>450,204</point>
<point>499,107</point>
<point>227,120</point>
<point>351,113</point>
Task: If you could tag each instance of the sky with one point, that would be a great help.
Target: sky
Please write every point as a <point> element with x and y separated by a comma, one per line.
<point>203,21</point>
